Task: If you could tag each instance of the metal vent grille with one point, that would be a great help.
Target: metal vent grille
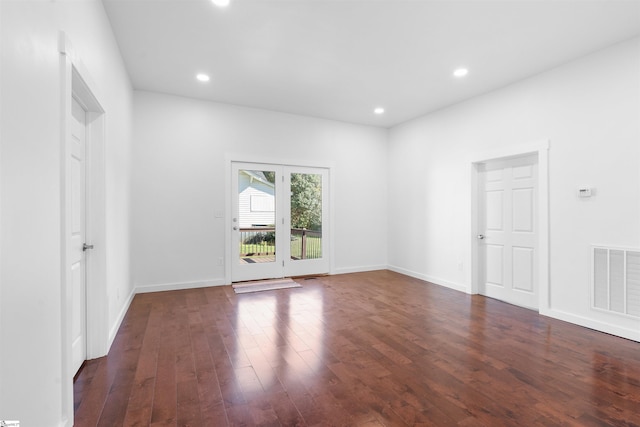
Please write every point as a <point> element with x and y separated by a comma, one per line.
<point>616,280</point>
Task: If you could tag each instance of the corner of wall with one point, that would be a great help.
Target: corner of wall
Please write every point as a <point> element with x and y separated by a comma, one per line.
<point>113,331</point>
<point>161,287</point>
<point>431,279</point>
<point>594,324</point>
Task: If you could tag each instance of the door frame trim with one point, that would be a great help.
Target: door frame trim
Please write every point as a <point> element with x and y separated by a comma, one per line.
<point>252,158</point>
<point>541,149</point>
<point>75,82</point>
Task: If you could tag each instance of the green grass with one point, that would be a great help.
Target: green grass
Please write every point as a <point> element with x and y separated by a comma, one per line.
<point>262,248</point>
<point>314,247</point>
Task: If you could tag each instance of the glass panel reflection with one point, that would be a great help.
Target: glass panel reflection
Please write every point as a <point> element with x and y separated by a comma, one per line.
<point>256,216</point>
<point>306,216</point>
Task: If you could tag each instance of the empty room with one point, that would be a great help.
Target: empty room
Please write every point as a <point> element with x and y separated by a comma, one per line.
<point>319,213</point>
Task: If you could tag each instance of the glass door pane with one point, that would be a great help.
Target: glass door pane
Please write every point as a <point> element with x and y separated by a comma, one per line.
<point>306,216</point>
<point>256,216</point>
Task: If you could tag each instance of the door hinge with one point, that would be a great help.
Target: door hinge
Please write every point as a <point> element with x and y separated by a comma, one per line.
<point>282,221</point>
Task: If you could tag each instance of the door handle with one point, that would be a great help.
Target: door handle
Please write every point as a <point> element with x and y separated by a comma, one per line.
<point>85,247</point>
<point>480,236</point>
<point>235,227</point>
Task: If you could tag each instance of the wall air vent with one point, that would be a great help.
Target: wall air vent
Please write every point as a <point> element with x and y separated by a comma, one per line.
<point>616,280</point>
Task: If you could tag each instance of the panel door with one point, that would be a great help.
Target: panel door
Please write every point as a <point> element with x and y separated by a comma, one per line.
<point>76,253</point>
<point>508,230</point>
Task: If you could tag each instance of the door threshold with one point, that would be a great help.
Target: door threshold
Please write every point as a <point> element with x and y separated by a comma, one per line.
<point>310,276</point>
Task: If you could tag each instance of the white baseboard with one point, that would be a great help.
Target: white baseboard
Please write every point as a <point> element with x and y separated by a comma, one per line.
<point>123,311</point>
<point>142,289</point>
<point>435,280</point>
<point>359,269</point>
<point>597,325</point>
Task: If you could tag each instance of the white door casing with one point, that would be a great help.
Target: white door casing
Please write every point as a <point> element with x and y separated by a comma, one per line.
<point>76,84</point>
<point>77,231</point>
<point>507,227</point>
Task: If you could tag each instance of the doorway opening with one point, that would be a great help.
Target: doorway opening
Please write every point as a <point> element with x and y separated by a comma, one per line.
<point>84,314</point>
<point>510,226</point>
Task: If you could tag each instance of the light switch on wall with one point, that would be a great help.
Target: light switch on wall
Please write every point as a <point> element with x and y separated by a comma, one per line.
<point>584,192</point>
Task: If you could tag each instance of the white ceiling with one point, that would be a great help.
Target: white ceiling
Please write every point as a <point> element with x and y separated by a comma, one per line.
<point>338,59</point>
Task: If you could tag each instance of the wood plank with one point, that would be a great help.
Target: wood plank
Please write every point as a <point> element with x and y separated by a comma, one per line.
<point>363,349</point>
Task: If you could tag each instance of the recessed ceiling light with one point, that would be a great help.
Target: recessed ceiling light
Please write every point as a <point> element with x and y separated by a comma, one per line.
<point>379,110</point>
<point>461,72</point>
<point>203,77</point>
<point>221,3</point>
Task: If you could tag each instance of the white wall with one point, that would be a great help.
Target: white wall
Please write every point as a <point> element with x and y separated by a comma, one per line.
<point>30,178</point>
<point>589,110</point>
<point>179,183</point>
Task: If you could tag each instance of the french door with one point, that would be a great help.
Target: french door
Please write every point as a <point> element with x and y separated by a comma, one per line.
<point>280,221</point>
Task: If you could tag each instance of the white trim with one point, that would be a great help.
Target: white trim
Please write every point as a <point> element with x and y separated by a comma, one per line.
<point>358,269</point>
<point>65,48</point>
<point>161,287</point>
<point>1,236</point>
<point>118,321</point>
<point>252,158</point>
<point>76,83</point>
<point>332,220</point>
<point>510,151</point>
<point>596,325</point>
<point>615,247</point>
<point>541,148</point>
<point>544,301</point>
<point>431,279</point>
<point>66,385</point>
<point>228,213</point>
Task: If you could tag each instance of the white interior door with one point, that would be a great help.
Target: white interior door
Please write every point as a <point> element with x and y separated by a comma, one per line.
<point>508,230</point>
<point>280,221</point>
<point>77,230</point>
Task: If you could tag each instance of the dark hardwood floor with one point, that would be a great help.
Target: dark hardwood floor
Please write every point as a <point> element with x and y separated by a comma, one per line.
<point>365,349</point>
